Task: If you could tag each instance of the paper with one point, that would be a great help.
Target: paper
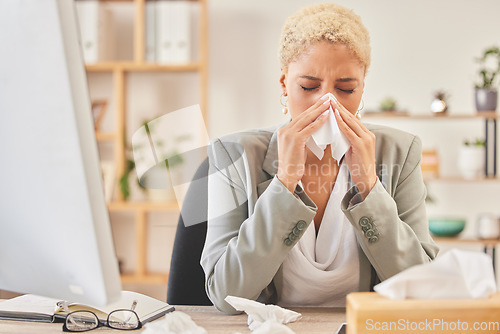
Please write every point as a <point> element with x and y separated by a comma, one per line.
<point>259,314</point>
<point>272,327</point>
<point>328,134</point>
<point>174,323</point>
<point>30,304</point>
<point>455,274</point>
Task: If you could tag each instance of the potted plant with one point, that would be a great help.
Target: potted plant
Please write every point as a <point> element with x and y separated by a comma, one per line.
<point>158,175</point>
<point>486,94</point>
<point>471,159</point>
<point>388,104</point>
<point>439,105</point>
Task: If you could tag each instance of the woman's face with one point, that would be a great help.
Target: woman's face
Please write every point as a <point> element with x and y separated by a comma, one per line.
<point>324,68</point>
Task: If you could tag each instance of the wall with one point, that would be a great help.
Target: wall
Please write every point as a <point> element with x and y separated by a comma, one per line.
<point>418,47</point>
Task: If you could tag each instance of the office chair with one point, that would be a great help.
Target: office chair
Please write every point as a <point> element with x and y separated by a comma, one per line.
<point>186,282</point>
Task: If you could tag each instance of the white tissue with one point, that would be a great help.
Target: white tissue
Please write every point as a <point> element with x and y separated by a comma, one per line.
<point>272,327</point>
<point>455,274</point>
<point>174,323</point>
<point>259,313</point>
<point>328,134</point>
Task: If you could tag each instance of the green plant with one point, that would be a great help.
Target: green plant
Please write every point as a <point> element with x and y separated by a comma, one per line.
<point>488,74</point>
<point>441,95</point>
<point>477,142</point>
<point>388,104</point>
<point>175,158</point>
<point>124,185</point>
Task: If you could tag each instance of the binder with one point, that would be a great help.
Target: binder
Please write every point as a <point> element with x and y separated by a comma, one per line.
<point>96,31</point>
<point>150,52</point>
<point>173,32</point>
<point>182,32</point>
<point>164,32</point>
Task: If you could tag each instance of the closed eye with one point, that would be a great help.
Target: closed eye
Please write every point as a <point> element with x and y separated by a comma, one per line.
<point>348,91</point>
<point>309,88</point>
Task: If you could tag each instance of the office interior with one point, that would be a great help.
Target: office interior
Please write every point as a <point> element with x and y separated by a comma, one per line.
<point>418,48</point>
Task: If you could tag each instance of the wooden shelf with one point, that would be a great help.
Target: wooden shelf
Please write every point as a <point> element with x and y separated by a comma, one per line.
<point>454,179</point>
<point>119,72</point>
<point>105,136</point>
<point>399,115</point>
<point>142,67</point>
<point>143,206</point>
<point>484,242</point>
<point>161,279</point>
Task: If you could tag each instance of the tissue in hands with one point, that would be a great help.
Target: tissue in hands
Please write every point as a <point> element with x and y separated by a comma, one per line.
<point>328,134</point>
<point>259,313</point>
<point>455,274</point>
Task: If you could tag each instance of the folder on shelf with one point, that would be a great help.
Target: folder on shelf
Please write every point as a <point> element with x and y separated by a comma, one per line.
<point>173,32</point>
<point>164,32</point>
<point>96,31</point>
<point>195,24</point>
<point>150,38</point>
<point>182,29</point>
<point>41,309</point>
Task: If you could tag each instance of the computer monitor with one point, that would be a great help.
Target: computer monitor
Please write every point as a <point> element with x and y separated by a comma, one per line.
<point>55,235</point>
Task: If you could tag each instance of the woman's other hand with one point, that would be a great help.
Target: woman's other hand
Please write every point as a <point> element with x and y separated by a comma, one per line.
<point>360,157</point>
<point>292,140</point>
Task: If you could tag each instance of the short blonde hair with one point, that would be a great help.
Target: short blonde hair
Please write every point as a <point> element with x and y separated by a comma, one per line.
<point>328,21</point>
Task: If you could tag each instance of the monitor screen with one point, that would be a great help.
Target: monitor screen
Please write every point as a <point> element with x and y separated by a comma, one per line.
<point>55,237</point>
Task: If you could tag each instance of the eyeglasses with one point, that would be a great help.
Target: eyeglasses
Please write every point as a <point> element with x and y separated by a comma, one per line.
<point>82,321</point>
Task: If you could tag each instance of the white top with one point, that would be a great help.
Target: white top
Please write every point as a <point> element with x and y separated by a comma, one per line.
<point>321,270</point>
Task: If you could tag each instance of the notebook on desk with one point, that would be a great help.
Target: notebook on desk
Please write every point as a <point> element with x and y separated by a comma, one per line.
<point>35,308</point>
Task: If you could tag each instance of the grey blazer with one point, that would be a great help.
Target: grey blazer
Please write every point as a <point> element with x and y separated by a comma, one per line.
<point>254,220</point>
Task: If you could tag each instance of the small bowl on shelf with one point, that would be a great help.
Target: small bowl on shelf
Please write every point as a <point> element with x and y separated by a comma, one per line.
<point>446,227</point>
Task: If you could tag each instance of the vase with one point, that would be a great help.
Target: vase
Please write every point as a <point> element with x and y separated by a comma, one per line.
<point>471,161</point>
<point>486,99</point>
<point>488,226</point>
<point>439,106</point>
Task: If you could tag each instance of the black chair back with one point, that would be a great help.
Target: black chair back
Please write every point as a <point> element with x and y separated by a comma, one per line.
<point>186,282</point>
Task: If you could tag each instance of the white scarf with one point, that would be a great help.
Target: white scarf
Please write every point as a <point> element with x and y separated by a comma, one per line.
<point>321,270</point>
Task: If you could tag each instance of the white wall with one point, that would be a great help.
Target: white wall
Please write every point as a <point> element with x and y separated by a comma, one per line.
<point>418,47</point>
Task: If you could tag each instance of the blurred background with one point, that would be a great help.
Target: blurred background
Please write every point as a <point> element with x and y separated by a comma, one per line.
<point>422,51</point>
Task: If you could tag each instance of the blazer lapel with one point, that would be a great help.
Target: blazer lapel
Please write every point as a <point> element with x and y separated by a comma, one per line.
<point>270,164</point>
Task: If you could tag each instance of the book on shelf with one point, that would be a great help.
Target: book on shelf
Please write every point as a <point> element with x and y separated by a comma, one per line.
<point>42,309</point>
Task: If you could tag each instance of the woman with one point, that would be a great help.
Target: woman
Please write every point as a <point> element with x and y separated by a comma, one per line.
<point>297,228</point>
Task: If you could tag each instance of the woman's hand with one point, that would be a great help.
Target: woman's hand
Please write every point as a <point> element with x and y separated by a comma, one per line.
<point>360,157</point>
<point>292,143</point>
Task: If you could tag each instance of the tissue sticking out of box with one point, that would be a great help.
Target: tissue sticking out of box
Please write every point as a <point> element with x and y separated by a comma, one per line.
<point>455,274</point>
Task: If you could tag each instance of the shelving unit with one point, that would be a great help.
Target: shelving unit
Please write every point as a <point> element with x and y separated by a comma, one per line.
<point>489,118</point>
<point>120,71</point>
<point>488,245</point>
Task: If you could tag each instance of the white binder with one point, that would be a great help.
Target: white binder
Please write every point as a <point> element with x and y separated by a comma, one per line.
<point>96,31</point>
<point>150,52</point>
<point>173,32</point>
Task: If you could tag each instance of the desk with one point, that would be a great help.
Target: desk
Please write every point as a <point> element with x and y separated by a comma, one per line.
<point>314,320</point>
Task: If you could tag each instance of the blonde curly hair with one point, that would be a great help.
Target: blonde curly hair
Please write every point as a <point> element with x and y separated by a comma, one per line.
<point>328,21</point>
